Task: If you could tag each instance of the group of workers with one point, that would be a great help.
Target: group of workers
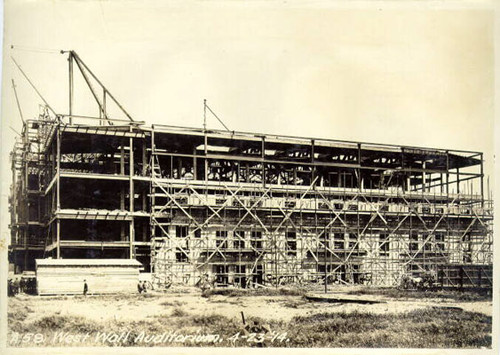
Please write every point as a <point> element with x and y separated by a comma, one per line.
<point>21,285</point>
<point>142,287</point>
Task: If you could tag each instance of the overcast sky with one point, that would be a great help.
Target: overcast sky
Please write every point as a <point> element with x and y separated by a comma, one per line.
<point>387,74</point>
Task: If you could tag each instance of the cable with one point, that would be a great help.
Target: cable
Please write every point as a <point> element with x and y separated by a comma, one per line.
<point>33,86</point>
<point>35,49</point>
<point>16,132</point>
<point>213,113</point>
<point>17,100</point>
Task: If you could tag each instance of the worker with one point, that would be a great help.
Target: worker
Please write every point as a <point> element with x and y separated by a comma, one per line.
<point>139,287</point>
<point>22,285</point>
<point>10,289</point>
<point>15,284</point>
<point>85,287</point>
<point>205,283</point>
<point>144,287</point>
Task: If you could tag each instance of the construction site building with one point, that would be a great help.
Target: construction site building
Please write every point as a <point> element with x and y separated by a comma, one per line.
<point>247,209</point>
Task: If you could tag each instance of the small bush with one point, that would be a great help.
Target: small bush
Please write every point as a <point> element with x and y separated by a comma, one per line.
<point>72,323</point>
<point>173,303</point>
<point>209,320</point>
<point>16,316</point>
<point>179,312</point>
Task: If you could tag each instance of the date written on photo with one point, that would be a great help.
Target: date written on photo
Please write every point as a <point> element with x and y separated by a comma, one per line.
<point>127,338</point>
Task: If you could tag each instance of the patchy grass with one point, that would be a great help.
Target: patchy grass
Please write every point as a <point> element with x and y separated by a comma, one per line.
<point>295,304</point>
<point>49,326</point>
<point>459,296</point>
<point>172,303</point>
<point>16,316</point>
<point>425,328</point>
<point>431,327</point>
<point>179,312</point>
<point>237,292</point>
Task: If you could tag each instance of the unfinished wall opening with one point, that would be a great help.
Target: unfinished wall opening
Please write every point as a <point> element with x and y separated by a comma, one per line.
<point>240,275</point>
<point>94,194</point>
<point>24,259</point>
<point>141,196</point>
<point>34,208</point>
<point>34,181</point>
<point>94,253</point>
<point>94,153</point>
<point>142,230</point>
<point>181,231</point>
<point>221,273</point>
<point>256,240</point>
<point>95,230</point>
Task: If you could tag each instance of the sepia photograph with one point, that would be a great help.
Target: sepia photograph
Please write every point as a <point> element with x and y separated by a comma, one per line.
<point>199,176</point>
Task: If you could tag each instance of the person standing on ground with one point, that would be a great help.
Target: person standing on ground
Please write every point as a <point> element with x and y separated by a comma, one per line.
<point>85,287</point>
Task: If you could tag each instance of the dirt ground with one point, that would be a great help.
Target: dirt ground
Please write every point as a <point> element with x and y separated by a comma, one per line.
<point>189,301</point>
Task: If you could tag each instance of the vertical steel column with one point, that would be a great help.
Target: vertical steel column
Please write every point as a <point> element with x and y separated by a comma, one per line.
<point>122,187</point>
<point>360,179</point>
<point>152,224</point>
<point>407,174</point>
<point>144,158</point>
<point>482,181</point>
<point>263,155</point>
<point>325,241</point>
<point>58,190</point>
<point>58,240</point>
<point>195,165</point>
<point>424,182</point>
<point>313,174</point>
<point>205,143</point>
<point>206,154</point>
<point>447,172</point>
<point>122,158</point>
<point>26,230</point>
<point>131,196</point>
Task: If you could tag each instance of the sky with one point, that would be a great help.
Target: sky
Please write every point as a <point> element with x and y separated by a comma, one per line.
<point>380,72</point>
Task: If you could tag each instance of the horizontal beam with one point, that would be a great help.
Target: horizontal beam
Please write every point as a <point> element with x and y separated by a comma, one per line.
<point>102,130</point>
<point>93,176</point>
<point>93,214</point>
<point>132,123</point>
<point>92,244</point>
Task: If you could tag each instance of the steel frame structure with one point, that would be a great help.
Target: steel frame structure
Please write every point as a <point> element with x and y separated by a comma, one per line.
<point>241,208</point>
<point>309,233</point>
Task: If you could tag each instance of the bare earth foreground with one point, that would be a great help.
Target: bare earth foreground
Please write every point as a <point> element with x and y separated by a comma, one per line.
<point>255,318</point>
